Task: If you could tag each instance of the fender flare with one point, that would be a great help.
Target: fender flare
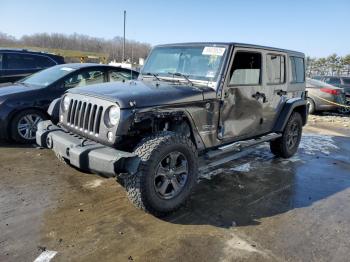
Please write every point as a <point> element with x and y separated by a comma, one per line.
<point>54,110</point>
<point>291,105</point>
<point>198,142</point>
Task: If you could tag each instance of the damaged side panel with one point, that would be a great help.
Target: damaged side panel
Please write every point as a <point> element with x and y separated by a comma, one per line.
<point>202,118</point>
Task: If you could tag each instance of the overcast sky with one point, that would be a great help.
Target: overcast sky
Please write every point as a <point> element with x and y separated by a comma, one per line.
<point>317,28</point>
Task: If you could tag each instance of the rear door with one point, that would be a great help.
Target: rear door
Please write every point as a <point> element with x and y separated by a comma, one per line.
<point>250,101</point>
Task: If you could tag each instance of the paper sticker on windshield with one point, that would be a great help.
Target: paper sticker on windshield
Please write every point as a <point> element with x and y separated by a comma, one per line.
<point>210,74</point>
<point>67,69</point>
<point>212,50</point>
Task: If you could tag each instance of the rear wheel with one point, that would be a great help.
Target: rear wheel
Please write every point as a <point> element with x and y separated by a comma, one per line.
<point>287,145</point>
<point>24,125</point>
<point>345,110</point>
<point>166,175</point>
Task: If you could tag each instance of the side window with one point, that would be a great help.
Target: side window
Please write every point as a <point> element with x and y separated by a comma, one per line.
<point>43,62</point>
<point>297,69</point>
<point>334,81</point>
<point>246,69</point>
<point>84,78</point>
<point>118,75</point>
<point>275,67</point>
<point>1,55</point>
<point>20,61</point>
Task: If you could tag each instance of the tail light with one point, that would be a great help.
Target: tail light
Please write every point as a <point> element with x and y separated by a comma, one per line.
<point>331,91</point>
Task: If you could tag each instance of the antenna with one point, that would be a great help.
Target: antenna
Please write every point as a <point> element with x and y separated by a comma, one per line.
<point>132,57</point>
<point>124,38</point>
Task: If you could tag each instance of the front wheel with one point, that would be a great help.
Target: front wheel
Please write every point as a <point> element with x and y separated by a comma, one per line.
<point>166,175</point>
<point>287,145</point>
<point>24,125</point>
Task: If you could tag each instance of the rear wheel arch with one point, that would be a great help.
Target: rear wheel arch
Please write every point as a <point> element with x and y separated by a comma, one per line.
<point>314,105</point>
<point>292,105</point>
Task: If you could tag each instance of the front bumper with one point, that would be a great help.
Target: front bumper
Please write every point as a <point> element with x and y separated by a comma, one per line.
<point>85,154</point>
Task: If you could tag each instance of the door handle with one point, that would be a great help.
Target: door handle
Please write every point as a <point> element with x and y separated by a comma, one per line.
<point>281,92</point>
<point>259,95</point>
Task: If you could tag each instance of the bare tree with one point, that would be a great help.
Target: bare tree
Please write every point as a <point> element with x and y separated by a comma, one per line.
<point>111,47</point>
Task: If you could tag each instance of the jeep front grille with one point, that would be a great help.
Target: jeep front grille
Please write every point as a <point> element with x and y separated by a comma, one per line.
<point>84,116</point>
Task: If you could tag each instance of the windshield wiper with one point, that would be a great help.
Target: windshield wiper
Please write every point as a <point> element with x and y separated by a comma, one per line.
<point>152,74</point>
<point>182,75</point>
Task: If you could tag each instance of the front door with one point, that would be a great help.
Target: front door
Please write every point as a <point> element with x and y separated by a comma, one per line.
<point>252,98</point>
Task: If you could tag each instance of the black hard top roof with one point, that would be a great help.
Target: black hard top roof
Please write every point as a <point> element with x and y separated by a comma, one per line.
<point>85,65</point>
<point>26,51</point>
<point>296,53</point>
<point>81,65</point>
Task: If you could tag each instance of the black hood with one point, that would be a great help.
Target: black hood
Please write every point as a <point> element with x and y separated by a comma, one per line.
<point>15,90</point>
<point>143,93</point>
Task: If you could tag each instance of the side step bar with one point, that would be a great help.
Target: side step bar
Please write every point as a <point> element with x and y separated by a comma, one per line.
<point>207,166</point>
<point>240,145</point>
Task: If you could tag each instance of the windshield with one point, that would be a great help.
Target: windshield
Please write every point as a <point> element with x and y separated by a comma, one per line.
<point>47,77</point>
<point>202,63</point>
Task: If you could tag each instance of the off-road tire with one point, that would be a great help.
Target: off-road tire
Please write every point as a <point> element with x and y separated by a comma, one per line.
<point>14,125</point>
<point>140,188</point>
<point>311,105</point>
<point>279,147</point>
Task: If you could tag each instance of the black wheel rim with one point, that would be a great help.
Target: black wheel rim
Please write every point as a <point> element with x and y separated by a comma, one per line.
<point>171,175</point>
<point>293,135</point>
<point>28,125</point>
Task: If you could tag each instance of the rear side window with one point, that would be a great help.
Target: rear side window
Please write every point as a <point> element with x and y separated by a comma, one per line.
<point>1,55</point>
<point>297,69</point>
<point>43,62</point>
<point>333,81</point>
<point>246,69</point>
<point>345,80</point>
<point>27,61</point>
<point>19,61</point>
<point>121,75</point>
<point>275,67</point>
<point>85,78</point>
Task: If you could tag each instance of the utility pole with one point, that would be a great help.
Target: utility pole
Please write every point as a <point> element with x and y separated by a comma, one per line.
<point>124,38</point>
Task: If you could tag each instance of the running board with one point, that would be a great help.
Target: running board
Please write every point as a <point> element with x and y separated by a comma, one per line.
<point>240,145</point>
<point>207,167</point>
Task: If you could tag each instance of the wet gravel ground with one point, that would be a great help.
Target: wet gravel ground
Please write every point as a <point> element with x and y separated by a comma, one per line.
<point>257,208</point>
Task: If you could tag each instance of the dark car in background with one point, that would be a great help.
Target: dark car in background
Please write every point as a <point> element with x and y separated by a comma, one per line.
<point>16,64</point>
<point>24,104</point>
<point>325,97</point>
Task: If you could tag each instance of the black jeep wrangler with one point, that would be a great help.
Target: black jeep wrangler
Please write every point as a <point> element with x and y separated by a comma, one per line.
<point>194,106</point>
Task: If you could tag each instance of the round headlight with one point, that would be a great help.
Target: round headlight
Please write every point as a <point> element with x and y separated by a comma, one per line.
<point>114,115</point>
<point>66,102</point>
